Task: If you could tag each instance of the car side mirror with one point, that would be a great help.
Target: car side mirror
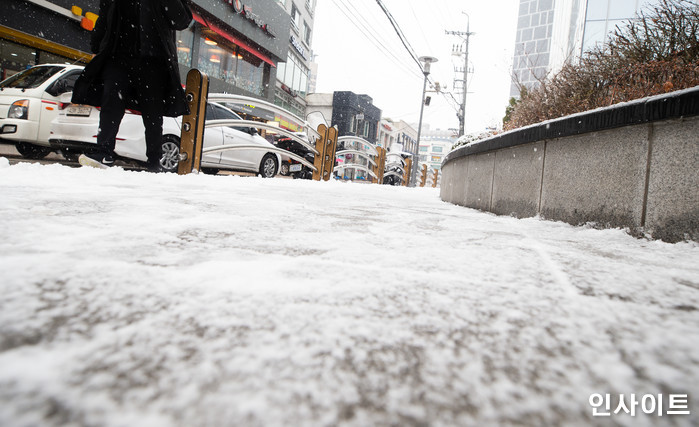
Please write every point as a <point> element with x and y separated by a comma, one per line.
<point>252,131</point>
<point>59,87</point>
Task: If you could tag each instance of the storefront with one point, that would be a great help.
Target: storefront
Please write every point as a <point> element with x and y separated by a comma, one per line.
<point>236,42</point>
<point>38,32</point>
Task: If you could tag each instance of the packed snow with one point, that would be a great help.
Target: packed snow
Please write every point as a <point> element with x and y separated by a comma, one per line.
<point>137,299</point>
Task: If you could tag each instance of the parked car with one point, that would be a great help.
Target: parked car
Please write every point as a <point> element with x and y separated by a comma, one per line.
<point>290,166</point>
<point>75,131</point>
<point>29,101</point>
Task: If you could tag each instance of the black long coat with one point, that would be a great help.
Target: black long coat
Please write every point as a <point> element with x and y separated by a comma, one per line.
<point>170,15</point>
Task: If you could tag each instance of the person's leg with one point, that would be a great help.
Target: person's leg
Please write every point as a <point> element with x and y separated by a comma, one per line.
<point>154,139</point>
<point>151,93</point>
<point>116,82</point>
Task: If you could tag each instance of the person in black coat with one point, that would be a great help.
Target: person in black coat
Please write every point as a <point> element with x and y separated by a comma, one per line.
<point>135,67</point>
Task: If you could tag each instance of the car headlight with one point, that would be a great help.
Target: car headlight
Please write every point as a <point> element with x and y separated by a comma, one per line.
<point>19,109</point>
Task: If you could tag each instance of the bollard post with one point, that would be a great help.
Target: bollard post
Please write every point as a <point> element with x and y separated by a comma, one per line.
<point>318,162</point>
<point>380,164</point>
<point>407,171</point>
<point>330,149</point>
<point>435,178</point>
<point>423,175</point>
<point>192,137</point>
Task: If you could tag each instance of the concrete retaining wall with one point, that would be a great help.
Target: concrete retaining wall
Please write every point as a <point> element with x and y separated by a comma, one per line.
<point>643,175</point>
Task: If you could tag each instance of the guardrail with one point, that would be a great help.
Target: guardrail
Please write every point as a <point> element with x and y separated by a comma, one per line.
<point>356,153</point>
<point>193,126</point>
<point>360,167</point>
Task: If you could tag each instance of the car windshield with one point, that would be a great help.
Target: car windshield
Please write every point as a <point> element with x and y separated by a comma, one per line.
<point>31,78</point>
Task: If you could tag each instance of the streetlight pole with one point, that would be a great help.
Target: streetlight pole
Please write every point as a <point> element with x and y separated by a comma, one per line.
<point>426,61</point>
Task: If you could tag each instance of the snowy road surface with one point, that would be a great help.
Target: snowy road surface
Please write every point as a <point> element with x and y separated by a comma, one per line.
<point>132,299</point>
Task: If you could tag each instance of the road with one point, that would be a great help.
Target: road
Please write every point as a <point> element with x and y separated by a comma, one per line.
<point>10,152</point>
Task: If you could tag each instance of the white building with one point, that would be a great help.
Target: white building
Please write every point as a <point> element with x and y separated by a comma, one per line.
<point>553,32</point>
<point>294,74</point>
<point>432,152</point>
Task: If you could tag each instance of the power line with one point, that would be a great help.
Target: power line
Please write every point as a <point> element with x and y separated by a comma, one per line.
<point>370,29</point>
<point>370,36</point>
<point>417,20</point>
<point>401,36</point>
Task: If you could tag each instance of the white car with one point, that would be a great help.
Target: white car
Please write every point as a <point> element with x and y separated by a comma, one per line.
<point>29,101</point>
<point>74,131</point>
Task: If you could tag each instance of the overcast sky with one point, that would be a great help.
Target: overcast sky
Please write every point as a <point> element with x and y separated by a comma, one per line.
<point>359,51</point>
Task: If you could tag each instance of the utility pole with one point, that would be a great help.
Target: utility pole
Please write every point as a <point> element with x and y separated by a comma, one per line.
<point>465,35</point>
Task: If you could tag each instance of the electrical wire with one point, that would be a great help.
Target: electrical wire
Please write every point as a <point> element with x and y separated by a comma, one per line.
<point>371,36</point>
<point>400,34</point>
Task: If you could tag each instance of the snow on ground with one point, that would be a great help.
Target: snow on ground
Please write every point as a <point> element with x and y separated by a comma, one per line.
<point>130,298</point>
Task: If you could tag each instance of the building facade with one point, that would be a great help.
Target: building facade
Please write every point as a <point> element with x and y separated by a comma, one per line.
<point>237,43</point>
<point>34,32</point>
<point>355,115</point>
<point>432,152</point>
<point>434,145</point>
<point>551,33</point>
<point>293,73</point>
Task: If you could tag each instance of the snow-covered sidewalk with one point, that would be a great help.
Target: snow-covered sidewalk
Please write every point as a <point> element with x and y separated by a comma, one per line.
<point>130,299</point>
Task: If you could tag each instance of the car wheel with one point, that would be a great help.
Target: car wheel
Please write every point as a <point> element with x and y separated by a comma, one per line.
<point>268,166</point>
<point>170,159</point>
<point>284,170</point>
<point>31,151</point>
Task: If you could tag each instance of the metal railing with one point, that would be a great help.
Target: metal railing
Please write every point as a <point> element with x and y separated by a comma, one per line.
<point>240,99</point>
<point>366,143</point>
<point>356,153</point>
<point>359,167</point>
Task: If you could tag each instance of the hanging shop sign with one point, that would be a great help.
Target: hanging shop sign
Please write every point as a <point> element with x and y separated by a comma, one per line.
<point>247,12</point>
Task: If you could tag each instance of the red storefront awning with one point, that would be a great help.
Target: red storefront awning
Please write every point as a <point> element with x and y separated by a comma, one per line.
<point>218,30</point>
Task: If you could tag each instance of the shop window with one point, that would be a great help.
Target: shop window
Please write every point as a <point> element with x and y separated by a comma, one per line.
<point>210,57</point>
<point>185,44</point>
<point>281,69</point>
<point>250,74</point>
<point>221,59</point>
<point>15,58</point>
<point>423,148</point>
<point>294,75</point>
<point>50,58</point>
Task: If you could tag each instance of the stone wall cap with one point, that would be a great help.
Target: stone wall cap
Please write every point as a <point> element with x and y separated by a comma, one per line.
<point>673,105</point>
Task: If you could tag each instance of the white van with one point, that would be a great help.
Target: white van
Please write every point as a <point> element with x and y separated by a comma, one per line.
<point>29,101</point>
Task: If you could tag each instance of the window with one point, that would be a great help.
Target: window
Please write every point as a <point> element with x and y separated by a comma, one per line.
<point>366,129</point>
<point>65,83</point>
<point>293,74</point>
<point>306,33</point>
<point>226,61</point>
<point>185,42</point>
<point>295,17</point>
<point>423,148</point>
<point>31,78</point>
<point>436,149</point>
